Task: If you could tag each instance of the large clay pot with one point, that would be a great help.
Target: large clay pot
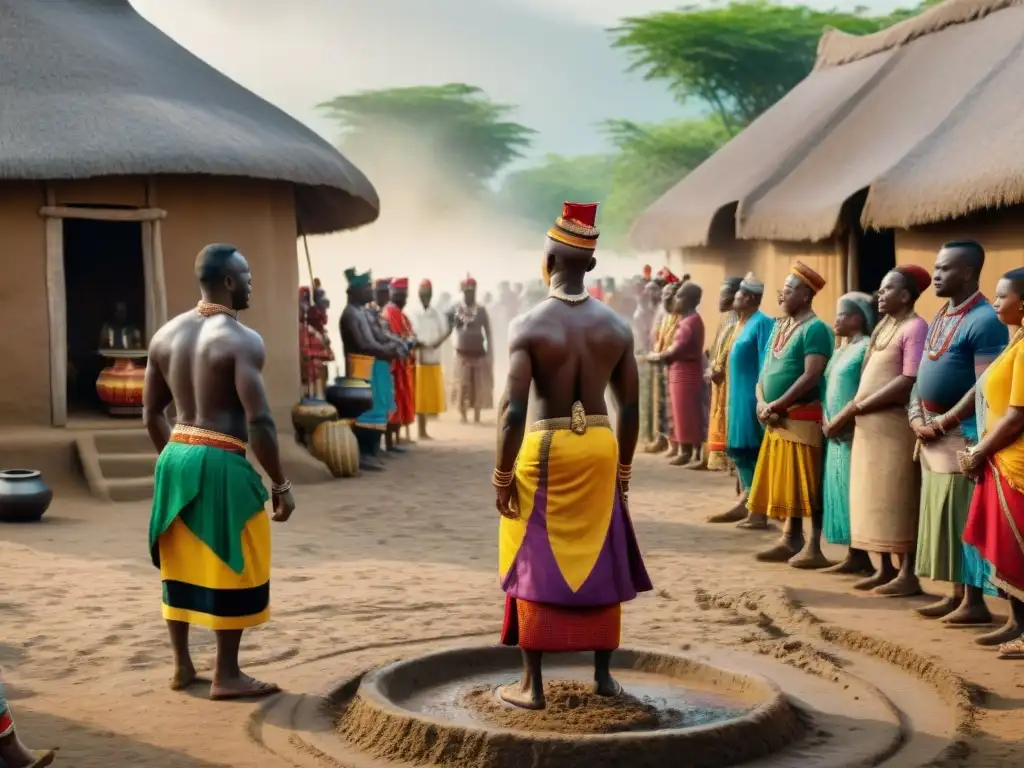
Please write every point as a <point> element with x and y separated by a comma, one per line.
<point>120,387</point>
<point>334,444</point>
<point>24,497</point>
<point>352,397</point>
<point>308,414</point>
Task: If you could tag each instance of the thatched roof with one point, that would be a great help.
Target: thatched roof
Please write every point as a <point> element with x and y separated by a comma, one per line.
<point>89,88</point>
<point>767,148</point>
<point>922,85</point>
<point>933,132</point>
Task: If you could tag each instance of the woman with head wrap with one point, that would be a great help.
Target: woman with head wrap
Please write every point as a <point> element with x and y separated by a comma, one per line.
<point>884,510</point>
<point>717,373</point>
<point>855,320</point>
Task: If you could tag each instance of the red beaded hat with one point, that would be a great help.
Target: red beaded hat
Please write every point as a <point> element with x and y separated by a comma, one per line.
<point>575,227</point>
<point>920,276</point>
<point>400,283</point>
<point>425,285</point>
<point>469,282</point>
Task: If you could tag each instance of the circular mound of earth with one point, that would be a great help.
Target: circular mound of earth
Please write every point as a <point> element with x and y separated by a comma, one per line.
<point>442,709</point>
<point>572,707</point>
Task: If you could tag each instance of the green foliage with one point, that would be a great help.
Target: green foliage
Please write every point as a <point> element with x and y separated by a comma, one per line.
<point>536,194</point>
<point>651,159</point>
<point>456,126</point>
<point>738,58</point>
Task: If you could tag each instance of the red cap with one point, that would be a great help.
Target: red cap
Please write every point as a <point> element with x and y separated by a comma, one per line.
<point>921,276</point>
<point>647,271</point>
<point>400,283</point>
<point>666,274</point>
<point>425,285</point>
<point>582,213</point>
<point>469,282</point>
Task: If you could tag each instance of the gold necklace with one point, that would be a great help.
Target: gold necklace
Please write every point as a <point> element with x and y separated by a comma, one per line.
<point>208,309</point>
<point>893,327</point>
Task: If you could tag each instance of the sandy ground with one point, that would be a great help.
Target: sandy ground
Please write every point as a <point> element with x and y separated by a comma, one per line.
<point>374,568</point>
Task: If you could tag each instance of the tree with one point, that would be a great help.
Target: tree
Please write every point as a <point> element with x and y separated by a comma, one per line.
<point>651,158</point>
<point>536,194</point>
<point>452,131</point>
<point>738,58</point>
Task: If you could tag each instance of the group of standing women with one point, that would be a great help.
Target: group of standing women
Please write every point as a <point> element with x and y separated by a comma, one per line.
<point>924,454</point>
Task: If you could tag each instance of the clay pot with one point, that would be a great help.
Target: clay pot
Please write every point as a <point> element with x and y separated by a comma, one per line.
<point>120,387</point>
<point>308,414</point>
<point>352,397</point>
<point>24,497</point>
<point>334,444</point>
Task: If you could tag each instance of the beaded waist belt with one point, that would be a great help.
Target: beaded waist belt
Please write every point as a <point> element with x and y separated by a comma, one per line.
<point>189,435</point>
<point>359,366</point>
<point>566,422</point>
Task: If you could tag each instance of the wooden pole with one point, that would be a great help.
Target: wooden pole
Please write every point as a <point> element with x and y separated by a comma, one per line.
<point>56,304</point>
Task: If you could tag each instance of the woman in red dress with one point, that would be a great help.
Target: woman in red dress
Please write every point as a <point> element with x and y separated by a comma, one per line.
<point>685,359</point>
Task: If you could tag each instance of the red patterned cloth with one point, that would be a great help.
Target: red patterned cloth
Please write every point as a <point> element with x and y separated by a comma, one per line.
<point>553,629</point>
<point>994,522</point>
<point>401,370</point>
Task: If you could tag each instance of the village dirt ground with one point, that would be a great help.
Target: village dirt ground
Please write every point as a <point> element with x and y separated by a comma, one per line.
<point>373,568</point>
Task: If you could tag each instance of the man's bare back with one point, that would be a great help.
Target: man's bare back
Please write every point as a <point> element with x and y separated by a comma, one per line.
<point>575,353</point>
<point>198,358</point>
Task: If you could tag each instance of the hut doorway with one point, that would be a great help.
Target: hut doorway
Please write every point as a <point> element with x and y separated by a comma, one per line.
<point>876,257</point>
<point>105,289</point>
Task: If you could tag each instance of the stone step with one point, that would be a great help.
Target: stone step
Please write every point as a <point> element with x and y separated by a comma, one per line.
<point>130,488</point>
<point>116,466</point>
<point>123,441</point>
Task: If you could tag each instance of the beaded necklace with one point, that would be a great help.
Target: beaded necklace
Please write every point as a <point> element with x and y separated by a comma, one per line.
<point>569,298</point>
<point>208,309</point>
<point>784,332</point>
<point>890,325</point>
<point>939,328</point>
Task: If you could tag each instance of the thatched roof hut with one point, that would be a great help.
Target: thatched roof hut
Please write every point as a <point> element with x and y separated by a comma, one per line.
<point>914,125</point>
<point>90,88</point>
<point>107,121</point>
<point>920,114</point>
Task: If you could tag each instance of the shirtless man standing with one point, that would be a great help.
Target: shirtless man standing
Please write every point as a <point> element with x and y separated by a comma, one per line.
<point>571,471</point>
<point>209,534</point>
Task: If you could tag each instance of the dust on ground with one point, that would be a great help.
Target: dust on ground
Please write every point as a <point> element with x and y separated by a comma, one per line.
<point>371,566</point>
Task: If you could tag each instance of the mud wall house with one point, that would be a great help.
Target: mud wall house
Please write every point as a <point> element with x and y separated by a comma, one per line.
<point>895,143</point>
<point>121,156</point>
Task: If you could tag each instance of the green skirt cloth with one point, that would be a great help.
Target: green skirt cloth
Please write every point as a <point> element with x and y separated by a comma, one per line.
<point>214,492</point>
<point>945,501</point>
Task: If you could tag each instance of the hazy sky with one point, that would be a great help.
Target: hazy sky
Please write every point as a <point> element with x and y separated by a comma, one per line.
<point>551,58</point>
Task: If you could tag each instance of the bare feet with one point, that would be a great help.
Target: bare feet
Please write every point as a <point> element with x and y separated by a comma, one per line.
<point>184,676</point>
<point>901,586</point>
<point>522,696</point>
<point>786,548</point>
<point>370,464</point>
<point>969,615</point>
<point>42,758</point>
<point>697,464</point>
<point>810,558</point>
<point>673,450</point>
<point>880,577</point>
<point>606,685</point>
<point>656,446</point>
<point>1011,630</point>
<point>1012,650</point>
<point>944,607</point>
<point>856,563</point>
<point>678,461</point>
<point>754,523</point>
<point>734,515</point>
<point>241,687</point>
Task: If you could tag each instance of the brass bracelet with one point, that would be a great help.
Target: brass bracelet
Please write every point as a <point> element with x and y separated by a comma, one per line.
<point>503,479</point>
<point>284,487</point>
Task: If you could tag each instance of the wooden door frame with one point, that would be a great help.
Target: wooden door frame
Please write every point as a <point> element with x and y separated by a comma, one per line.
<point>56,289</point>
